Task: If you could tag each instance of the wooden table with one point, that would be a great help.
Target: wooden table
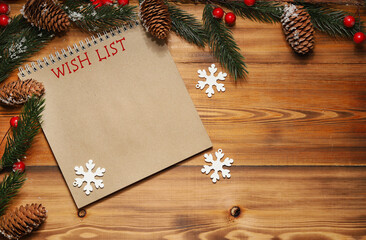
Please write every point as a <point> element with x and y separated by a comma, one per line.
<point>295,128</point>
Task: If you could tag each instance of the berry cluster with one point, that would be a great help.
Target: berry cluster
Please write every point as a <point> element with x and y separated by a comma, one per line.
<point>230,17</point>
<point>349,21</point>
<point>4,11</point>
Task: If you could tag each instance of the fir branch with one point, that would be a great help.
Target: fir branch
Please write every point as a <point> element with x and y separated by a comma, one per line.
<point>89,19</point>
<point>268,12</point>
<point>223,45</point>
<point>330,20</point>
<point>18,41</point>
<point>9,187</point>
<point>21,138</point>
<point>187,26</point>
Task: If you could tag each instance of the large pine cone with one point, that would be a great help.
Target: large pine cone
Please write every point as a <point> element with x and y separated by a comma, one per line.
<point>46,15</point>
<point>155,18</point>
<point>298,29</point>
<point>23,220</point>
<point>18,92</point>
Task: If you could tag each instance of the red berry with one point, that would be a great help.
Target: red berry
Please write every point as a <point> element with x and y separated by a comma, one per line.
<point>19,166</point>
<point>14,122</point>
<point>230,18</point>
<point>4,20</point>
<point>4,8</point>
<point>218,13</point>
<point>349,21</point>
<point>359,37</point>
<point>123,2</point>
<point>249,3</point>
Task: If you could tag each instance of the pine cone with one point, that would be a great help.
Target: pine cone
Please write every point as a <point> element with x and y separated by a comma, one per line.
<point>46,14</point>
<point>298,29</point>
<point>18,92</point>
<point>23,220</point>
<point>155,18</point>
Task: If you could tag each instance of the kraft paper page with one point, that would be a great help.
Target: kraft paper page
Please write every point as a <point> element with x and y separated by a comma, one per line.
<point>122,104</point>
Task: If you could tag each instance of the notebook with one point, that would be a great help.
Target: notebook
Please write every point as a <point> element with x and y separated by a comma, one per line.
<point>117,111</point>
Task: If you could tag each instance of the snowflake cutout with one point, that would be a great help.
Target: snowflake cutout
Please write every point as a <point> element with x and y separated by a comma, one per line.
<point>89,177</point>
<point>217,166</point>
<point>211,80</point>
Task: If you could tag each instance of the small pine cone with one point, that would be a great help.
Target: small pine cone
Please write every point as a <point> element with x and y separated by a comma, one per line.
<point>18,92</point>
<point>46,14</point>
<point>155,18</point>
<point>23,220</point>
<point>298,29</point>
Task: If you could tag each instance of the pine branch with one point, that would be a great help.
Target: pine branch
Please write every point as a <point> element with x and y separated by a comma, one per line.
<point>18,41</point>
<point>9,187</point>
<point>223,45</point>
<point>89,19</point>
<point>330,20</point>
<point>187,26</point>
<point>21,138</point>
<point>268,12</point>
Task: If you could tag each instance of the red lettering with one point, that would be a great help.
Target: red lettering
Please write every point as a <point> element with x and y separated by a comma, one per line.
<point>75,65</point>
<point>115,49</point>
<point>100,59</point>
<point>123,48</point>
<point>59,71</point>
<point>86,59</point>
<point>107,50</point>
<point>67,65</point>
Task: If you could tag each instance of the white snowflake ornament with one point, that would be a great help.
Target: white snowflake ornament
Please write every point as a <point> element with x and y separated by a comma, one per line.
<point>89,177</point>
<point>217,166</point>
<point>211,80</point>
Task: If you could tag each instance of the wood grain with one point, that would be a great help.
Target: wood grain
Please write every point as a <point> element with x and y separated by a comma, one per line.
<point>295,129</point>
<point>280,203</point>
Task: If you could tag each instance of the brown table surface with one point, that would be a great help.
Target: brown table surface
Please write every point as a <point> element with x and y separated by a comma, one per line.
<point>295,129</point>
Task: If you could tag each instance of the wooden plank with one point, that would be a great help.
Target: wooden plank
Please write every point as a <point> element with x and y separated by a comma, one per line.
<point>260,43</point>
<point>182,203</point>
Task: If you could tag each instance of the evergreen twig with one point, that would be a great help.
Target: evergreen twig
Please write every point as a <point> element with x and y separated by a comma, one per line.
<point>18,41</point>
<point>330,20</point>
<point>324,19</point>
<point>187,26</point>
<point>21,138</point>
<point>223,45</point>
<point>86,17</point>
<point>9,187</point>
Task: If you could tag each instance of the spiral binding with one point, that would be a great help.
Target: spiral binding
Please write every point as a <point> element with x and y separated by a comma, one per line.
<point>83,45</point>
